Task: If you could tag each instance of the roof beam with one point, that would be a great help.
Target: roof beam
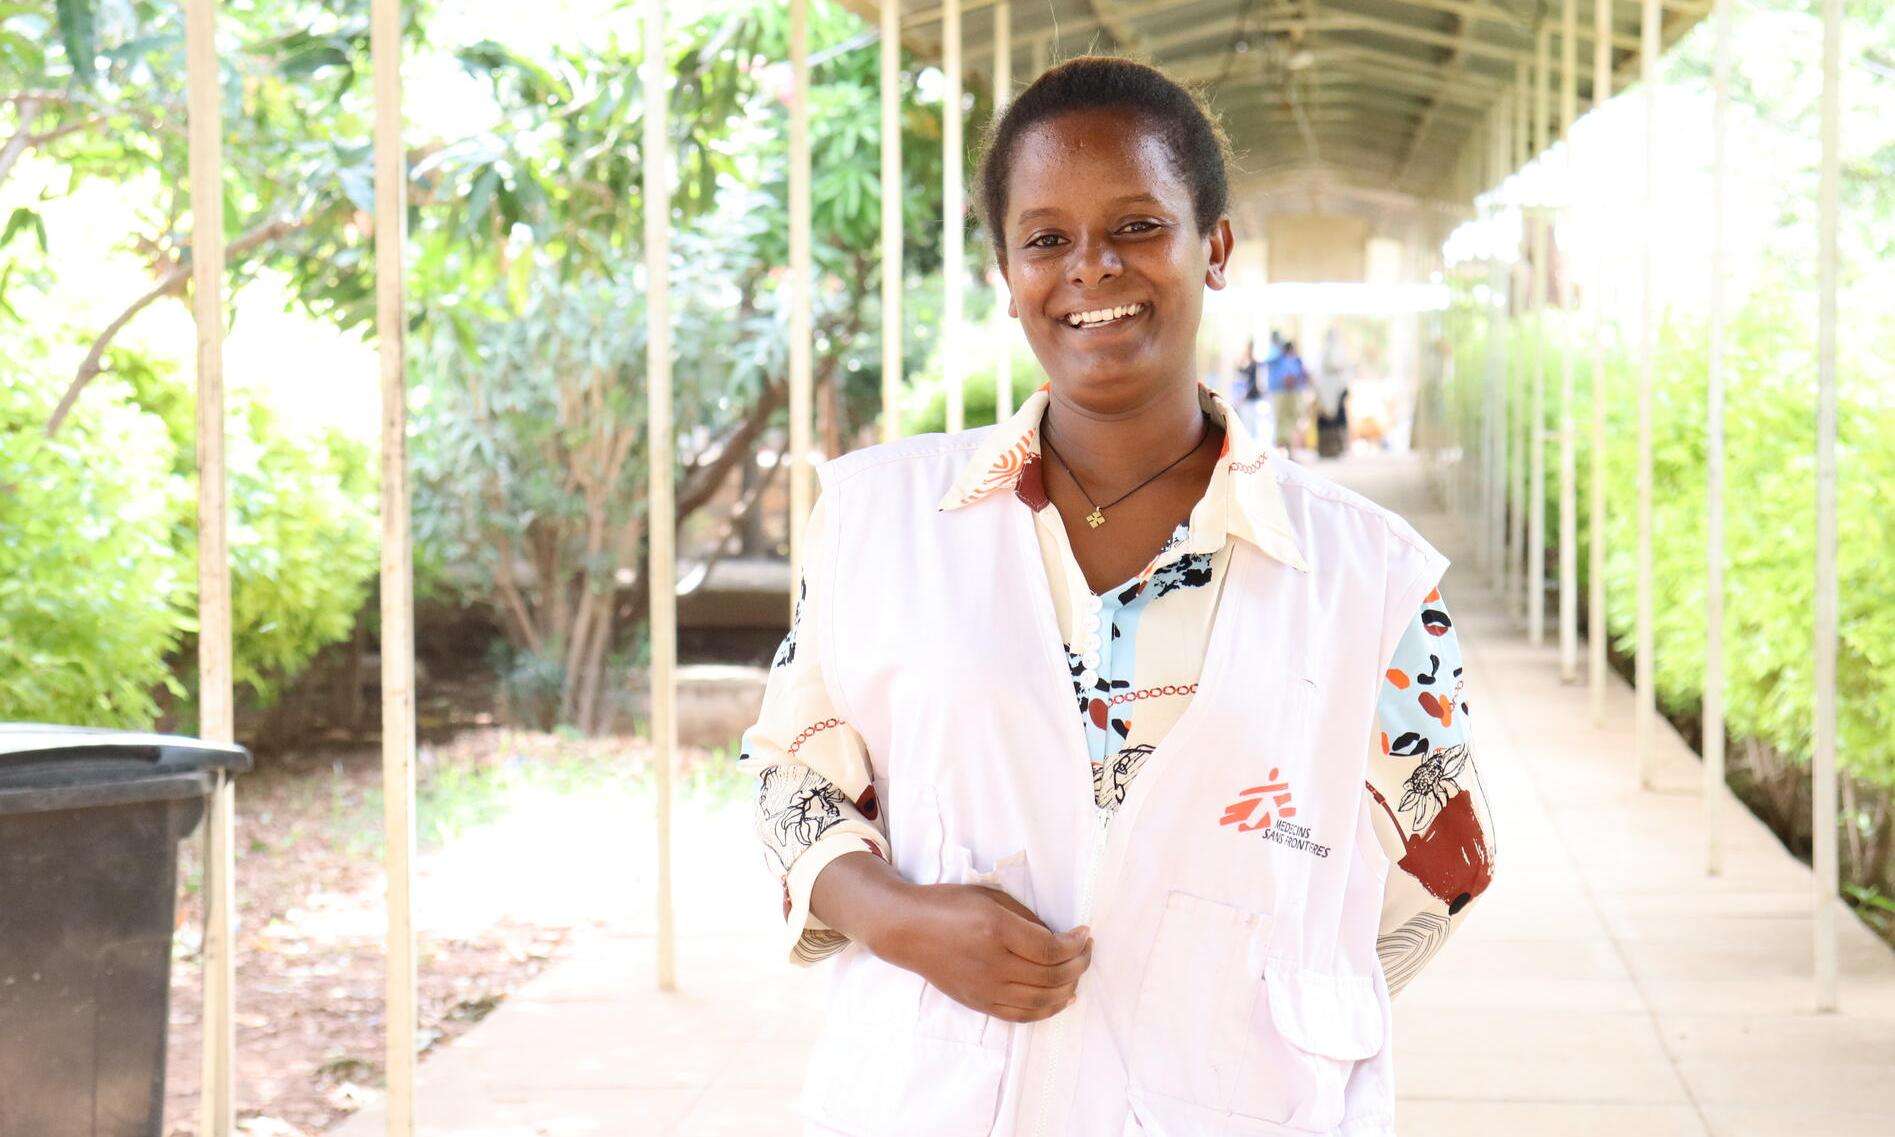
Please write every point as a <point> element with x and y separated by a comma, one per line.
<point>1457,59</point>
<point>1383,62</point>
<point>1410,99</point>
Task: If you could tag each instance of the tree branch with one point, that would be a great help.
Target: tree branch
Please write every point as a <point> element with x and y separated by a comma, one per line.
<point>170,284</point>
<point>22,138</point>
<point>704,481</point>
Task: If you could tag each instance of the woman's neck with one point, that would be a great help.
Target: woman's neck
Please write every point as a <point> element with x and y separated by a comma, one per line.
<point>1111,449</point>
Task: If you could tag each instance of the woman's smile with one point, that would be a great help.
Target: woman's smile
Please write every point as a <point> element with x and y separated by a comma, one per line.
<point>1106,318</point>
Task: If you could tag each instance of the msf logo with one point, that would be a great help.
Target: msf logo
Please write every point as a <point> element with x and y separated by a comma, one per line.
<point>1244,812</point>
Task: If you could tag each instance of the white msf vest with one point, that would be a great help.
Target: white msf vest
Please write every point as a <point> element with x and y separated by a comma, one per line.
<point>1234,899</point>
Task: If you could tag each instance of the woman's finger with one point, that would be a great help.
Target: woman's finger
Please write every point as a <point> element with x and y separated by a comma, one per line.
<point>1044,999</point>
<point>1064,974</point>
<point>1037,943</point>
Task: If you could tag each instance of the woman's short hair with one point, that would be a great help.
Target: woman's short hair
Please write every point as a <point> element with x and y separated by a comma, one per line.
<point>1199,149</point>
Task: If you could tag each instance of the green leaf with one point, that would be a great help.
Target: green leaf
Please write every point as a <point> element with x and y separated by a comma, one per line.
<point>24,218</point>
<point>78,33</point>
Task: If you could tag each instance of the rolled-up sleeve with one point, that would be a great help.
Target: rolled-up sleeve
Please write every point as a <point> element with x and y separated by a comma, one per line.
<point>815,787</point>
<point>1431,815</point>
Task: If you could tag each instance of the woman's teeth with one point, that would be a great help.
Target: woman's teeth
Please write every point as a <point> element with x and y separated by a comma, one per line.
<point>1099,316</point>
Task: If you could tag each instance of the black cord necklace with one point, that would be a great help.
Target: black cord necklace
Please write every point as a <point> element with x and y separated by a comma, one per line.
<point>1097,517</point>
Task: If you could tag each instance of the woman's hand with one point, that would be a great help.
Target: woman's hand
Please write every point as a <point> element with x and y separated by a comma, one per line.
<point>980,946</point>
<point>988,951</point>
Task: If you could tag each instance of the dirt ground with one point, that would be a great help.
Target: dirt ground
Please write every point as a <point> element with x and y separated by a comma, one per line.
<point>310,920</point>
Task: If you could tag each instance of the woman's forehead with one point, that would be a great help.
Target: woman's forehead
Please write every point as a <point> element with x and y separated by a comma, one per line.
<point>1099,148</point>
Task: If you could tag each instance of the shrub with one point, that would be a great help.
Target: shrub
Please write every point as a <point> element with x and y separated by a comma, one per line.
<point>90,586</point>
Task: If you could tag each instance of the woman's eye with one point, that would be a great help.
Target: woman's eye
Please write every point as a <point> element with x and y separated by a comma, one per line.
<point>1044,241</point>
<point>1139,226</point>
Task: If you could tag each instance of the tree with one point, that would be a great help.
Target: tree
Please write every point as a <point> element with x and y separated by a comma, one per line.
<point>532,441</point>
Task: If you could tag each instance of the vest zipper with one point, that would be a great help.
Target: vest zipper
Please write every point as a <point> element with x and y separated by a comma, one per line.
<point>1088,894</point>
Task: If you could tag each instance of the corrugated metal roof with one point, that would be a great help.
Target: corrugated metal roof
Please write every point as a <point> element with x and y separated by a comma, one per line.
<point>1379,96</point>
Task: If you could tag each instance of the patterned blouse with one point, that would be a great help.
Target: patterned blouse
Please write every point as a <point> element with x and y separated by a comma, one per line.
<point>1135,652</point>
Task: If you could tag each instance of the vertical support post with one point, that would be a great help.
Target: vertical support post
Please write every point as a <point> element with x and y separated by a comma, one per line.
<point>1714,458</point>
<point>1490,403</point>
<point>661,444</point>
<point>953,210</point>
<point>398,651</point>
<point>1517,515</point>
<point>1503,414</point>
<point>1647,699</point>
<point>1568,455</point>
<point>1002,330</point>
<point>1536,431</point>
<point>891,220</point>
<point>1596,524</point>
<point>802,397</point>
<point>217,720</point>
<point>1823,758</point>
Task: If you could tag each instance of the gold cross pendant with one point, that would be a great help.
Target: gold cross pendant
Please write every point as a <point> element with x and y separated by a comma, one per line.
<point>1095,519</point>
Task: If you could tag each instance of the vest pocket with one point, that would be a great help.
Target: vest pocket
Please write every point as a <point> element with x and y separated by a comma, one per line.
<point>1190,1024</point>
<point>1309,1029</point>
<point>1235,1051</point>
<point>881,1069</point>
<point>897,1056</point>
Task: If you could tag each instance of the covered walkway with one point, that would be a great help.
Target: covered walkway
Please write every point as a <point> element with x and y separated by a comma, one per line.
<point>1383,127</point>
<point>1606,984</point>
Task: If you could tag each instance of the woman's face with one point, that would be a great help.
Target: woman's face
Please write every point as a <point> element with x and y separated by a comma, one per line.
<point>1103,258</point>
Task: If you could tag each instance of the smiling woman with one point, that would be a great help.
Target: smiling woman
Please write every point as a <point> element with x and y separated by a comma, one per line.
<point>1118,818</point>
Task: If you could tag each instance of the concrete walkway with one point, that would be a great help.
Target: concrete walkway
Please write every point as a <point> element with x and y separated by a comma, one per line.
<point>1604,985</point>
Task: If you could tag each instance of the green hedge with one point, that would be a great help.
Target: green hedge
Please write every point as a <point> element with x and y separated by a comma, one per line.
<point>1770,530</point>
<point>89,581</point>
<point>98,536</point>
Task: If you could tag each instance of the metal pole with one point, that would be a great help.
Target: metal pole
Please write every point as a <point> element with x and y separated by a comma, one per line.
<point>398,652</point>
<point>1536,432</point>
<point>1503,426</point>
<point>1823,764</point>
<point>802,397</point>
<point>216,719</point>
<point>1596,523</point>
<point>953,207</point>
<point>1647,699</point>
<point>1568,456</point>
<point>1517,523</point>
<point>1714,459</point>
<point>1496,362</point>
<point>661,442</point>
<point>891,220</point>
<point>1003,331</point>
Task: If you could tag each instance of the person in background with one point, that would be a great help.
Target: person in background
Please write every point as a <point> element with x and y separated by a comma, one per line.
<point>1247,390</point>
<point>1331,387</point>
<point>1288,378</point>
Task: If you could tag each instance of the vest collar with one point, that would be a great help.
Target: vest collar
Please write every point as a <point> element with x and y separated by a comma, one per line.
<point>1242,499</point>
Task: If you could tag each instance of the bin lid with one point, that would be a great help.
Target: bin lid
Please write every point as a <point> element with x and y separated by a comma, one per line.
<point>38,743</point>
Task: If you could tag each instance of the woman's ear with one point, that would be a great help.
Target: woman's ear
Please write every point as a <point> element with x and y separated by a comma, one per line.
<point>1221,240</point>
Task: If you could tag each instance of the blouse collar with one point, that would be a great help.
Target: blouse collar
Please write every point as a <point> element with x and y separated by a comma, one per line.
<point>1241,500</point>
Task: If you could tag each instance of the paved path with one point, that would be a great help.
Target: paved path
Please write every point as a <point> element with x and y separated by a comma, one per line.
<point>1604,985</point>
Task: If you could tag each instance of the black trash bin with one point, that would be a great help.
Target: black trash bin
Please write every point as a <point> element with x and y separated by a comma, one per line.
<point>90,822</point>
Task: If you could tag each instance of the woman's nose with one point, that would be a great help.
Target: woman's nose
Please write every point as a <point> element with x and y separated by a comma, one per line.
<point>1093,263</point>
